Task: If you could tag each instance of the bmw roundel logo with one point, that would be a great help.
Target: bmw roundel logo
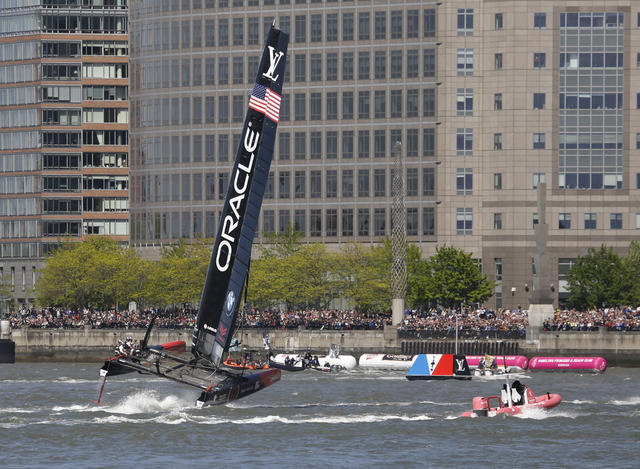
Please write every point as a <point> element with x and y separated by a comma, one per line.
<point>230,301</point>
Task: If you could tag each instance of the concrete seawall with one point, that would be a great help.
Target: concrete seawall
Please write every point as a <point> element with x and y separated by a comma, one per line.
<point>619,348</point>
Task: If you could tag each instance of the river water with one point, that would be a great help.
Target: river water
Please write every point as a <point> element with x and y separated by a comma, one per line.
<point>309,419</point>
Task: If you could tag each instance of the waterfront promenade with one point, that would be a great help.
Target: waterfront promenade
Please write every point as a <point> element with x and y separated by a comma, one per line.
<point>86,344</point>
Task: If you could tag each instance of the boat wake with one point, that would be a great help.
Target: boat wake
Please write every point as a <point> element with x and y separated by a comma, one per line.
<point>630,401</point>
<point>330,420</point>
<point>149,401</point>
<point>339,404</point>
<point>544,414</point>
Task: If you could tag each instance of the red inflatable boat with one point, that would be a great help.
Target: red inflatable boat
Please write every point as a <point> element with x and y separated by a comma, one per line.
<point>504,404</point>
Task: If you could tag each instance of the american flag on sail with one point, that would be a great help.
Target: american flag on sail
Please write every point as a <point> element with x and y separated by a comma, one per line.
<point>265,101</point>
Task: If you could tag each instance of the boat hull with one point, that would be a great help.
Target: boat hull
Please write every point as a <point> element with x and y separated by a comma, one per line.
<point>544,401</point>
<point>437,378</point>
<point>381,361</point>
<point>236,387</point>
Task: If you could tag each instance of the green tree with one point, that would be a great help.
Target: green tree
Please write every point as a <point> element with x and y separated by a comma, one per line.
<point>96,273</point>
<point>415,269</point>
<point>363,273</point>
<point>451,278</point>
<point>600,278</point>
<point>632,261</point>
<point>179,275</point>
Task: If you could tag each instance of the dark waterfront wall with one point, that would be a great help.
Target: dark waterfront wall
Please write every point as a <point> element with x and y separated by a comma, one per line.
<point>619,348</point>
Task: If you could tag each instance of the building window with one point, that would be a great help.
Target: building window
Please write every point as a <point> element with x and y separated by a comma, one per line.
<point>497,61</point>
<point>347,183</point>
<point>429,221</point>
<point>412,63</point>
<point>428,182</point>
<point>497,141</point>
<point>284,220</point>
<point>498,263</point>
<point>497,21</point>
<point>331,184</point>
<point>396,103</point>
<point>332,27</point>
<point>300,145</point>
<point>332,66</point>
<point>347,144</point>
<point>429,102</point>
<point>590,221</point>
<point>538,178</point>
<point>497,102</point>
<point>301,65</point>
<point>539,100</point>
<point>412,221</point>
<point>347,222</point>
<point>564,221</point>
<point>380,25</point>
<point>331,222</point>
<point>428,142</point>
<point>539,20</point>
<point>363,183</point>
<point>363,222</point>
<point>363,144</point>
<point>497,221</point>
<point>465,21</point>
<point>283,186</point>
<point>464,61</point>
<point>429,69</point>
<point>315,222</point>
<point>539,60</point>
<point>464,141</point>
<point>497,181</point>
<point>413,19</point>
<point>379,104</point>
<point>539,141</point>
<point>429,23</point>
<point>363,65</point>
<point>464,181</point>
<point>615,221</point>
<point>315,184</point>
<point>347,26</point>
<point>379,221</point>
<point>464,221</point>
<point>464,106</point>
<point>363,26</point>
<point>301,28</point>
<point>299,221</point>
<point>412,182</point>
<point>300,190</point>
<point>379,183</point>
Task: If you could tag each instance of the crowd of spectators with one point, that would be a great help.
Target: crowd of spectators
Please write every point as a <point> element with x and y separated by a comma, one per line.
<point>469,322</point>
<point>60,318</point>
<point>624,318</point>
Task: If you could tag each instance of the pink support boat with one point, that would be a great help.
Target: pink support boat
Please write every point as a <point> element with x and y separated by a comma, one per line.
<point>512,403</point>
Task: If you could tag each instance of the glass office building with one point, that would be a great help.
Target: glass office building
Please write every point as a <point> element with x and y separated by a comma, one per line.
<point>63,129</point>
<point>490,99</point>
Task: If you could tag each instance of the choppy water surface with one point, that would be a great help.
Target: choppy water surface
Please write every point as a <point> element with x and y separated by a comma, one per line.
<point>311,419</point>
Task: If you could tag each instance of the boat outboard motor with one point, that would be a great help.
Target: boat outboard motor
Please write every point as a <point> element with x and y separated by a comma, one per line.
<point>480,406</point>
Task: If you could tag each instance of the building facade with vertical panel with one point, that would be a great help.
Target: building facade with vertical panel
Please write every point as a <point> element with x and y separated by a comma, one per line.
<point>63,129</point>
<point>489,99</point>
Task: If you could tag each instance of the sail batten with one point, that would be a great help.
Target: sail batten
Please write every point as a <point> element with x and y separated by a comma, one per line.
<point>232,249</point>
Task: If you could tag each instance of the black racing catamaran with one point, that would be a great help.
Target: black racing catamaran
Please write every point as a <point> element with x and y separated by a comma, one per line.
<point>229,265</point>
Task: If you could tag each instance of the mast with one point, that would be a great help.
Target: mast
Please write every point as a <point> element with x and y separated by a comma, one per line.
<point>232,249</point>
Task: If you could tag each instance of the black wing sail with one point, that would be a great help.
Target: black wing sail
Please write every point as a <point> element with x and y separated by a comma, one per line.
<point>232,248</point>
